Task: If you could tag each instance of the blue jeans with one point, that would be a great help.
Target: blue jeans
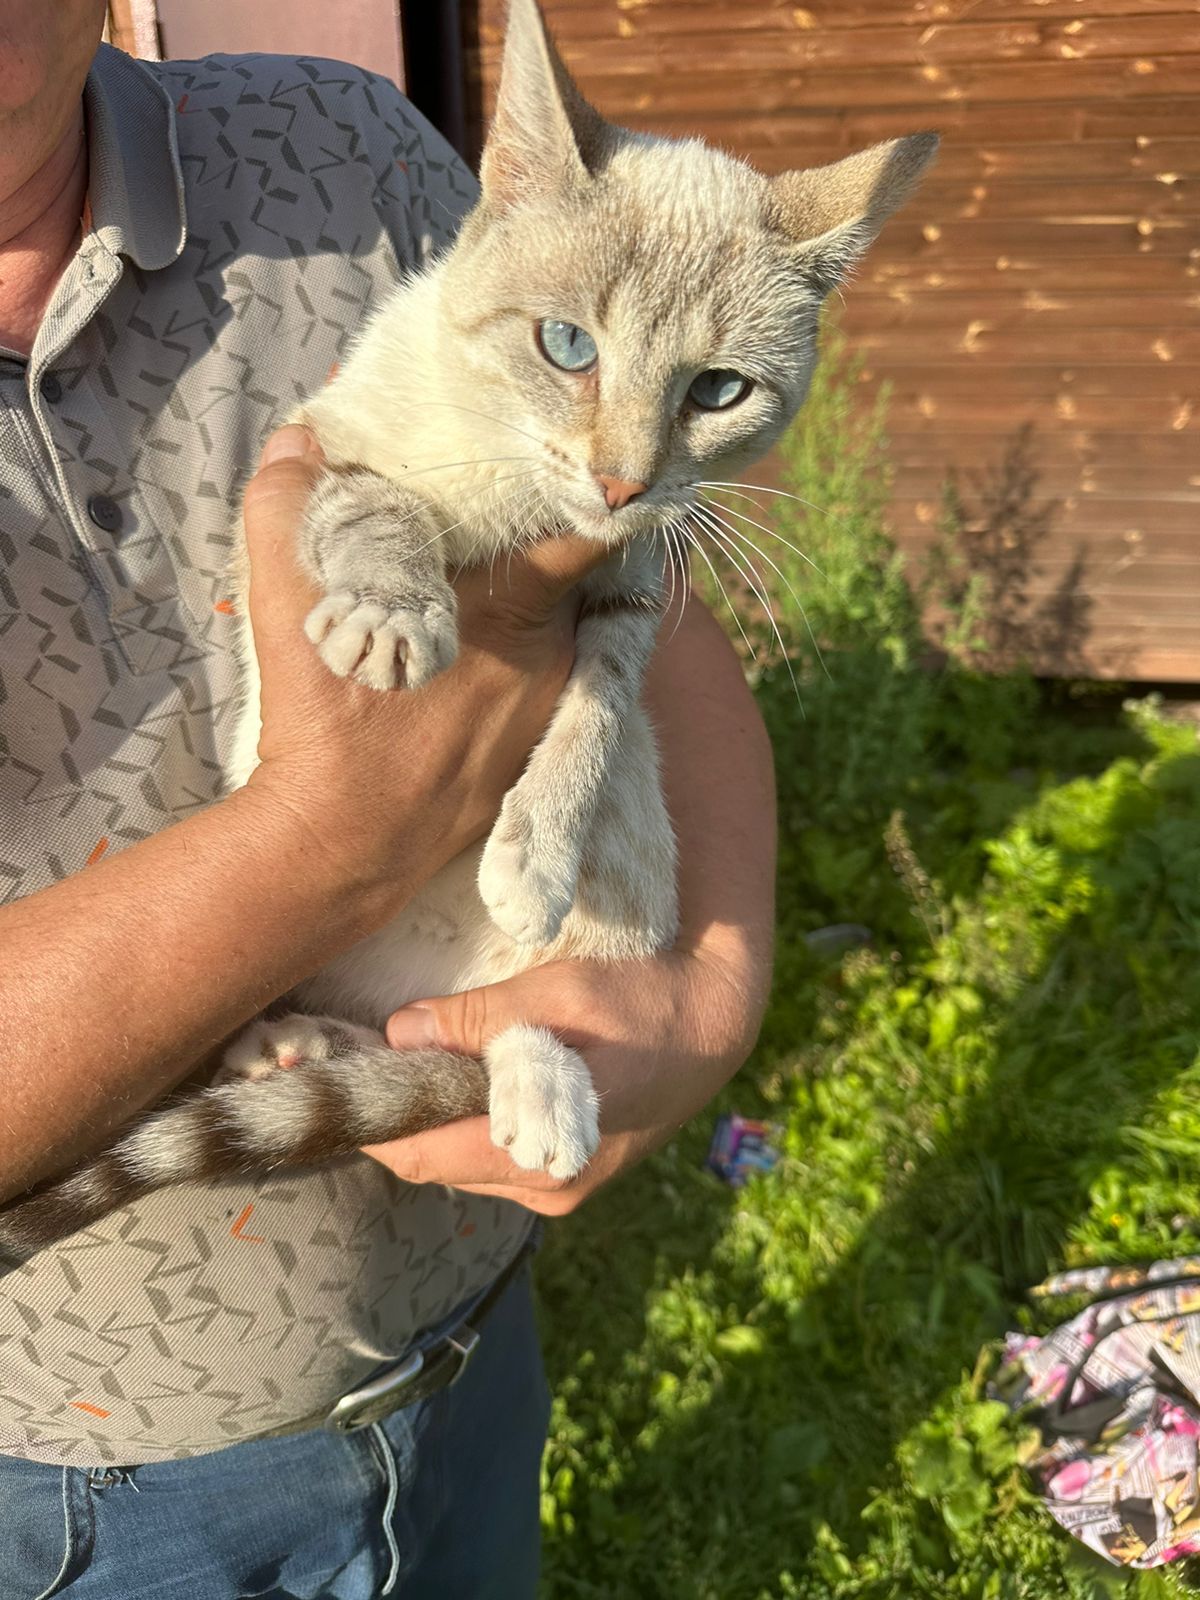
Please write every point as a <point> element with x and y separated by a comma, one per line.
<point>437,1502</point>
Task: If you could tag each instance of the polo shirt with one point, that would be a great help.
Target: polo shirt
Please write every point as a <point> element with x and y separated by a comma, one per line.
<point>245,214</point>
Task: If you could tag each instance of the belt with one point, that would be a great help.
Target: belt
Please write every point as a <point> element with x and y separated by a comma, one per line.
<point>422,1372</point>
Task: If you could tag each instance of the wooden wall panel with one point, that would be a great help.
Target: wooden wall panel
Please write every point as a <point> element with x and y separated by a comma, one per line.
<point>1048,274</point>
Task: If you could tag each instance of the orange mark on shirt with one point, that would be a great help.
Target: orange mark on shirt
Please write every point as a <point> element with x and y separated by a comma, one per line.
<point>226,608</point>
<point>248,1238</point>
<point>181,103</point>
<point>465,1233</point>
<point>98,850</point>
<point>333,372</point>
<point>93,1411</point>
<point>403,165</point>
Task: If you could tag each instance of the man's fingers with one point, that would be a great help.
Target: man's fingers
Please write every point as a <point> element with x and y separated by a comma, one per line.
<point>271,510</point>
<point>462,1155</point>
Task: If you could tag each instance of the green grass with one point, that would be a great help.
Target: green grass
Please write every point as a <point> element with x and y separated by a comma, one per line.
<point>776,1393</point>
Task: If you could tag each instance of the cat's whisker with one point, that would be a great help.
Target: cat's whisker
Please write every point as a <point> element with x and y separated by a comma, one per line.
<point>448,466</point>
<point>678,568</point>
<point>745,541</point>
<point>765,488</point>
<point>741,563</point>
<point>750,578</point>
<point>769,531</point>
<point>716,577</point>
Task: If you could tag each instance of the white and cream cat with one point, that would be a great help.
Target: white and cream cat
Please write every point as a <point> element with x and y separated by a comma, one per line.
<point>621,318</point>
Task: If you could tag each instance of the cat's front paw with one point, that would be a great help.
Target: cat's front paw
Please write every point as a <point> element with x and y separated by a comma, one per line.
<point>527,887</point>
<point>542,1106</point>
<point>384,645</point>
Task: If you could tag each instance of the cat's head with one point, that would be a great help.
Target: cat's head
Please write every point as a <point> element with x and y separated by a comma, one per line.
<point>643,309</point>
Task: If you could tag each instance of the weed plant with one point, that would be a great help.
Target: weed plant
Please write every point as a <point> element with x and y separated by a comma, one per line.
<point>777,1393</point>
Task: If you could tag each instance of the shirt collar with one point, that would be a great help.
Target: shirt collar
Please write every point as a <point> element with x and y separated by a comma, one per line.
<point>135,180</point>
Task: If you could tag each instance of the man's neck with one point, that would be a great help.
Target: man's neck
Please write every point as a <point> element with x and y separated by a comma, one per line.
<point>40,210</point>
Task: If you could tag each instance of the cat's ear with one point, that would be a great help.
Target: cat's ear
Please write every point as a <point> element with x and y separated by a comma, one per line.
<point>833,213</point>
<point>543,131</point>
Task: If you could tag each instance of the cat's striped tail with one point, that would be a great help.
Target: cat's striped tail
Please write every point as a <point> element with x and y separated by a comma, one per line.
<point>312,1112</point>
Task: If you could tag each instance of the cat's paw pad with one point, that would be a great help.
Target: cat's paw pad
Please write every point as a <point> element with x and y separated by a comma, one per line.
<point>542,1107</point>
<point>282,1045</point>
<point>383,646</point>
<point>527,894</point>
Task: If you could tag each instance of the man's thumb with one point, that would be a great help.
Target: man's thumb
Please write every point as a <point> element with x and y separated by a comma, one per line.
<point>463,1023</point>
<point>276,494</point>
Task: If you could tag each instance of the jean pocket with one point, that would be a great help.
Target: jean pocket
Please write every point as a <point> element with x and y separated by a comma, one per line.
<point>44,1534</point>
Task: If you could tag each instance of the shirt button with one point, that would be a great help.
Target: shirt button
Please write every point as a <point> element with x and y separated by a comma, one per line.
<point>52,390</point>
<point>105,512</point>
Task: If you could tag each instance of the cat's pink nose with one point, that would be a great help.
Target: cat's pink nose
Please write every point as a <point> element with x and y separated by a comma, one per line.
<point>619,492</point>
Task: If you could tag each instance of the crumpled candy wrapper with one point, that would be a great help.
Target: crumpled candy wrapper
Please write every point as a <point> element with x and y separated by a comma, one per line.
<point>740,1147</point>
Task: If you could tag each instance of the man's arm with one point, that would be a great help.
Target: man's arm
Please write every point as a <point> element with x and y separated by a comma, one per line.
<point>115,982</point>
<point>661,1037</point>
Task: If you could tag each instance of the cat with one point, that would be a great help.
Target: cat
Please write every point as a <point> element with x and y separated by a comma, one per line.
<point>622,319</point>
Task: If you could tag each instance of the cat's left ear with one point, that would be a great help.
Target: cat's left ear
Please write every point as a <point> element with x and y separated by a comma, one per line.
<point>833,213</point>
<point>544,133</point>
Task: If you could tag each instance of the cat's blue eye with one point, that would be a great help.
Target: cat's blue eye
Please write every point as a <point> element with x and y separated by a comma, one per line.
<point>719,389</point>
<point>566,346</point>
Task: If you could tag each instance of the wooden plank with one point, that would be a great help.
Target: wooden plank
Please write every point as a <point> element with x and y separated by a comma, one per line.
<point>1110,554</point>
<point>1170,456</point>
<point>1162,380</point>
<point>570,19</point>
<point>1008,199</point>
<point>955,312</point>
<point>966,240</point>
<point>1043,271</point>
<point>1088,517</point>
<point>1031,347</point>
<point>999,415</point>
<point>1098,161</point>
<point>1056,479</point>
<point>675,87</point>
<point>652,38</point>
<point>1103,453</point>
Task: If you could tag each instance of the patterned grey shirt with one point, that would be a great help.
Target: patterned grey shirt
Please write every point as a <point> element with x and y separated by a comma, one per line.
<point>245,212</point>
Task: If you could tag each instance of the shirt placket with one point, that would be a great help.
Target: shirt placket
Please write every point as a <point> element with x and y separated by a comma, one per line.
<point>125,560</point>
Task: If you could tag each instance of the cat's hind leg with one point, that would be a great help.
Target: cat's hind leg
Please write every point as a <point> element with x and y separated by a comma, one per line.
<point>272,1044</point>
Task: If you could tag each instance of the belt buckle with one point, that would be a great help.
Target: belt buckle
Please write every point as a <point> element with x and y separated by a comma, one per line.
<point>415,1378</point>
<point>358,1408</point>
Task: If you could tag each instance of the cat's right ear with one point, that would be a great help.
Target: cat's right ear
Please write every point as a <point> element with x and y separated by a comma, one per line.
<point>543,129</point>
<point>833,213</point>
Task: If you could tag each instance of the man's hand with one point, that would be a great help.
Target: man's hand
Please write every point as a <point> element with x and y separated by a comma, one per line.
<point>661,1038</point>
